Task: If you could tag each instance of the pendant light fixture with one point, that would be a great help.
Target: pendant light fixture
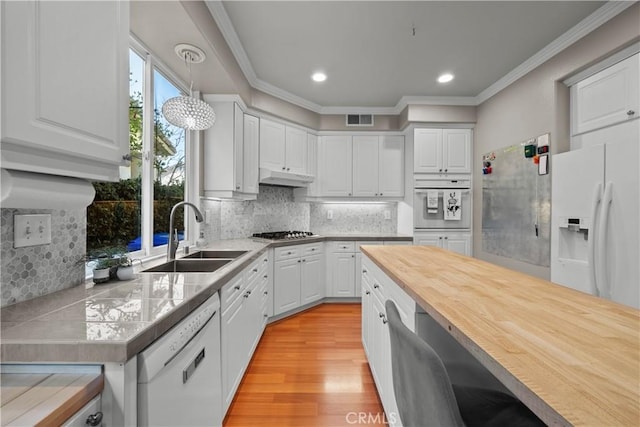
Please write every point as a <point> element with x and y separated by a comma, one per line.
<point>188,112</point>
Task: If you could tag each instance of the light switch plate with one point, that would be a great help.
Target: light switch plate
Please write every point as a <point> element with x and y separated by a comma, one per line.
<point>329,214</point>
<point>31,230</point>
<point>387,214</point>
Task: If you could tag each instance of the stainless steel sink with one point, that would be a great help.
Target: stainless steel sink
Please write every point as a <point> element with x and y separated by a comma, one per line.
<point>189,266</point>
<point>213,254</point>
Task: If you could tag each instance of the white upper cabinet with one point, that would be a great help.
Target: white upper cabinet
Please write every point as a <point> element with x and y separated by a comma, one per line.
<point>283,148</point>
<point>251,150</point>
<point>335,166</point>
<point>609,97</point>
<point>230,155</point>
<point>442,151</point>
<point>391,166</point>
<point>296,150</point>
<point>365,166</point>
<point>272,145</point>
<point>65,74</point>
<point>378,166</point>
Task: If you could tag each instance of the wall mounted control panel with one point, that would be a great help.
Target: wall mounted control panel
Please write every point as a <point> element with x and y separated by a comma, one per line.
<point>31,230</point>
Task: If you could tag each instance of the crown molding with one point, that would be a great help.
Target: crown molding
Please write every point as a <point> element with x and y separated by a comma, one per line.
<point>584,27</point>
<point>581,29</point>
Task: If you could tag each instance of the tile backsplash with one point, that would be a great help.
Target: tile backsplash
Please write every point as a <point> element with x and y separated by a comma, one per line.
<point>33,271</point>
<point>38,270</point>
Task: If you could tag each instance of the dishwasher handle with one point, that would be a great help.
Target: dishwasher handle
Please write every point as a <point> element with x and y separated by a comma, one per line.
<point>186,373</point>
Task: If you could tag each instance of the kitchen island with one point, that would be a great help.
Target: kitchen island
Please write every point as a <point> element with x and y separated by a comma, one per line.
<point>572,358</point>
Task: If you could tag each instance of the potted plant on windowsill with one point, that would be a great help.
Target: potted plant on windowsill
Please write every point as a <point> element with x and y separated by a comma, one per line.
<point>102,270</point>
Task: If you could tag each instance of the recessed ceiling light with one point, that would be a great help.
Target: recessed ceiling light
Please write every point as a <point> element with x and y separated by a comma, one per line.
<point>445,78</point>
<point>319,77</point>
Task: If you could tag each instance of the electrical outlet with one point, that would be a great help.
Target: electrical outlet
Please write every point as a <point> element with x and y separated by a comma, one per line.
<point>329,214</point>
<point>31,230</point>
<point>387,214</point>
<point>207,216</point>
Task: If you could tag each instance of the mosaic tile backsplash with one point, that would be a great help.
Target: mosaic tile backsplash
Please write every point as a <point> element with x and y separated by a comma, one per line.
<point>33,271</point>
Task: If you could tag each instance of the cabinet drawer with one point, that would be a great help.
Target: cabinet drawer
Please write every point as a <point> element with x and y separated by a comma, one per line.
<point>253,271</point>
<point>287,252</point>
<point>343,246</point>
<point>312,248</point>
<point>232,290</point>
<point>365,242</point>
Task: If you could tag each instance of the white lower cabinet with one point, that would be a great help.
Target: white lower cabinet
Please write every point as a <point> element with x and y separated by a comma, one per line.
<point>89,415</point>
<point>459,242</point>
<point>244,302</point>
<point>298,275</point>
<point>377,288</point>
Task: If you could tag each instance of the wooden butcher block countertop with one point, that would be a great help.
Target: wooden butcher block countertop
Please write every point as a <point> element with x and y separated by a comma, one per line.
<point>573,358</point>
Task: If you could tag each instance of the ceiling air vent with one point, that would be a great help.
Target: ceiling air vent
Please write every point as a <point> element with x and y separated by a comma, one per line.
<point>359,119</point>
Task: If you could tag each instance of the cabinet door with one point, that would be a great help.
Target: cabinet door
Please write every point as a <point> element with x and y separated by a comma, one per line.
<point>286,285</point>
<point>335,165</point>
<point>251,152</point>
<point>427,151</point>
<point>460,243</point>
<point>365,166</point>
<point>272,145</point>
<point>456,150</point>
<point>238,147</point>
<point>608,97</point>
<point>234,354</point>
<point>312,164</point>
<point>428,239</point>
<point>296,150</point>
<point>391,166</point>
<point>343,274</point>
<point>65,94</point>
<point>313,285</point>
<point>367,302</point>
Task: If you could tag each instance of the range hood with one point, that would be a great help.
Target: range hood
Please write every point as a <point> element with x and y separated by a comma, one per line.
<point>287,179</point>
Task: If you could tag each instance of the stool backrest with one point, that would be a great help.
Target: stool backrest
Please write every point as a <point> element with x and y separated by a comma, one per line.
<point>420,381</point>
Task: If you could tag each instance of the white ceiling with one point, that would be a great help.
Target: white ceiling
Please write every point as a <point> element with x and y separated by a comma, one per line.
<point>371,55</point>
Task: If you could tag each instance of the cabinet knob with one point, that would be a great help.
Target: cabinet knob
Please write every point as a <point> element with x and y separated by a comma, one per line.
<point>364,270</point>
<point>94,419</point>
<point>376,194</point>
<point>266,292</point>
<point>298,260</point>
<point>304,260</point>
<point>376,286</point>
<point>440,170</point>
<point>445,171</point>
<point>381,194</point>
<point>446,238</point>
<point>289,253</point>
<point>353,256</point>
<point>265,276</point>
<point>255,270</point>
<point>288,168</point>
<point>265,315</point>
<point>349,193</point>
<point>237,187</point>
<point>381,315</point>
<point>313,249</point>
<point>368,292</point>
<point>384,320</point>
<point>237,288</point>
<point>630,113</point>
<point>283,168</point>
<point>265,260</point>
<point>440,237</point>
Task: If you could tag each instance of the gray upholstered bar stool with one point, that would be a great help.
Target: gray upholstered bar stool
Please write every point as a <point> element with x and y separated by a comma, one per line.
<point>426,397</point>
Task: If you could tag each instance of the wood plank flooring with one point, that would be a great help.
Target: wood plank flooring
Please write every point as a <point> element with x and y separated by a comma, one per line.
<point>309,370</point>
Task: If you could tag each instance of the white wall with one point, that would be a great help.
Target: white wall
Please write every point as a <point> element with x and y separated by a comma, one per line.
<point>539,103</point>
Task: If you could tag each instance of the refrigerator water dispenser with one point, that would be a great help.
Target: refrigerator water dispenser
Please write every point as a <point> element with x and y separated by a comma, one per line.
<point>573,239</point>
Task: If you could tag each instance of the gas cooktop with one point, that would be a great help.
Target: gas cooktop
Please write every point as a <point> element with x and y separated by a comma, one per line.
<point>283,235</point>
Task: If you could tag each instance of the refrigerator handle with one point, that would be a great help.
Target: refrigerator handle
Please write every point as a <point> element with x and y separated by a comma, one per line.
<point>605,290</point>
<point>591,249</point>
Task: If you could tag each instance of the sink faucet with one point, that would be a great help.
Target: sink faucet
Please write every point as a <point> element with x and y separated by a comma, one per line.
<point>172,246</point>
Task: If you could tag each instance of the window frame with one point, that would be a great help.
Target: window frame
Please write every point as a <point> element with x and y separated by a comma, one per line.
<point>192,141</point>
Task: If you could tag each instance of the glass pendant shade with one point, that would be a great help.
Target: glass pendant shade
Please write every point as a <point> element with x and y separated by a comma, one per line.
<point>188,113</point>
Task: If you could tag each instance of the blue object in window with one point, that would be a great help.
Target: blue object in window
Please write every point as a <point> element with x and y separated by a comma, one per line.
<point>159,239</point>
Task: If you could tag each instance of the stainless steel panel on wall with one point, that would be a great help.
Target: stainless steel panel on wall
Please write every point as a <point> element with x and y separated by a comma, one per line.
<point>515,199</point>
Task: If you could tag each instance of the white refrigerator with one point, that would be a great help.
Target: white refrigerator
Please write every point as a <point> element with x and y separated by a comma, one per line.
<point>595,236</point>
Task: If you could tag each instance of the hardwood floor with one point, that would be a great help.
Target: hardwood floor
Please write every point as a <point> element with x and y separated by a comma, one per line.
<point>309,370</point>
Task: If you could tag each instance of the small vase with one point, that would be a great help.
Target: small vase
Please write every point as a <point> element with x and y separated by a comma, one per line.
<point>125,272</point>
<point>100,275</point>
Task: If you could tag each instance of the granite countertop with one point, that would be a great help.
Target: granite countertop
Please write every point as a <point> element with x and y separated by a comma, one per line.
<point>115,321</point>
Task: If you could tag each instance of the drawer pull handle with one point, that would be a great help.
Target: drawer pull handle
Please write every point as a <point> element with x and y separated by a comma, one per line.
<point>255,270</point>
<point>368,292</point>
<point>364,270</point>
<point>266,292</point>
<point>236,287</point>
<point>289,253</point>
<point>94,419</point>
<point>630,113</point>
<point>376,286</point>
<point>265,276</point>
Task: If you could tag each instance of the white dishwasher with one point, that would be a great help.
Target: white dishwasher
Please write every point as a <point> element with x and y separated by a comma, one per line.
<point>179,380</point>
